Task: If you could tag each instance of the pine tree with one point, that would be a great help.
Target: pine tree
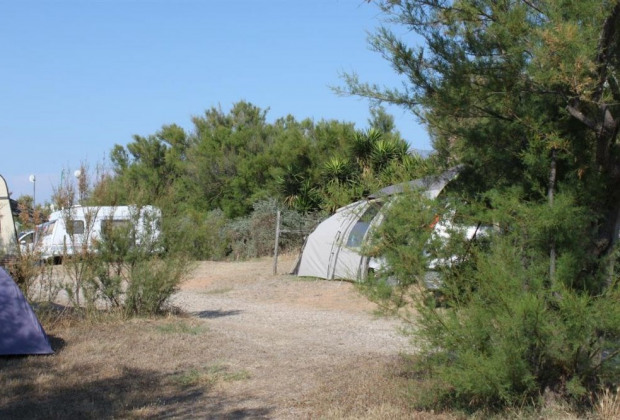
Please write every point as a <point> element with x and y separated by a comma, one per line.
<point>525,94</point>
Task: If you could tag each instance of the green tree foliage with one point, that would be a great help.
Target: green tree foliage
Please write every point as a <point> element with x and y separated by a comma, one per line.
<point>372,160</point>
<point>381,121</point>
<point>226,160</point>
<point>502,84</point>
<point>229,162</point>
<point>524,93</point>
<point>498,332</point>
<point>233,160</point>
<point>149,167</point>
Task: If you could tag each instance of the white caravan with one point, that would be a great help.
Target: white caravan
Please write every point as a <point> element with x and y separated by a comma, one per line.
<point>77,229</point>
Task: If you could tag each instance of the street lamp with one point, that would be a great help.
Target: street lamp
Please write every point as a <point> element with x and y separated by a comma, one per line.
<point>33,179</point>
<point>78,174</point>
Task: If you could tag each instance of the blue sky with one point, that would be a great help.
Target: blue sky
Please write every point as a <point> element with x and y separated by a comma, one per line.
<point>78,77</point>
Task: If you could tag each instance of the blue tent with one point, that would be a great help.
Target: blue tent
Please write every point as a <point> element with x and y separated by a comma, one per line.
<point>20,330</point>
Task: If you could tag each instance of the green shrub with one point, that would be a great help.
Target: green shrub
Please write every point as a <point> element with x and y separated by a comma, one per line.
<point>254,236</point>
<point>212,236</point>
<point>151,283</point>
<point>507,331</point>
<point>202,235</point>
<point>128,270</point>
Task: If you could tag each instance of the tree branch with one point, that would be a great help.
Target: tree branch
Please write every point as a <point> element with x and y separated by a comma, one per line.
<point>576,113</point>
<point>532,6</point>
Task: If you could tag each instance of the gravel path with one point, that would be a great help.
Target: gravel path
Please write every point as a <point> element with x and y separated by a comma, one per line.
<point>293,336</point>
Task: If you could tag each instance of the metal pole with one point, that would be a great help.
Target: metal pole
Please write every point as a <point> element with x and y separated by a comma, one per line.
<point>275,249</point>
<point>33,178</point>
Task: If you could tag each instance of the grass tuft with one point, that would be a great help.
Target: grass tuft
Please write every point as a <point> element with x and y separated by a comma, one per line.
<point>209,375</point>
<point>180,327</point>
<point>608,406</point>
<point>219,291</point>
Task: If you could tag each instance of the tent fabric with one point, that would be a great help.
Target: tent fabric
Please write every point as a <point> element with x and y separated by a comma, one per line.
<point>323,247</point>
<point>431,185</point>
<point>8,234</point>
<point>20,330</point>
<point>332,250</point>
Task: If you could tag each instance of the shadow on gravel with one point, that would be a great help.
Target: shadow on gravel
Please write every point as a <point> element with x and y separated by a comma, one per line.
<point>216,314</point>
<point>220,408</point>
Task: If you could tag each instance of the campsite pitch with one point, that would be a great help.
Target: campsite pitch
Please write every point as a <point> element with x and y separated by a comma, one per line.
<point>248,345</point>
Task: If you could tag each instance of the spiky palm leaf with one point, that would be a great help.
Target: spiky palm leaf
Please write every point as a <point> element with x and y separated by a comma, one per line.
<point>308,199</point>
<point>363,144</point>
<point>387,150</point>
<point>337,169</point>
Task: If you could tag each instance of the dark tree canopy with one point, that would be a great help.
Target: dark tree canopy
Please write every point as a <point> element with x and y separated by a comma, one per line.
<point>502,84</point>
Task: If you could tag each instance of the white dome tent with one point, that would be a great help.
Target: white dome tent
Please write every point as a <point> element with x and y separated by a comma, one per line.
<point>333,249</point>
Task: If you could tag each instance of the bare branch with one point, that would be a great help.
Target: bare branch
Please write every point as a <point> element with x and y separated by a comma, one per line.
<point>576,113</point>
<point>532,6</point>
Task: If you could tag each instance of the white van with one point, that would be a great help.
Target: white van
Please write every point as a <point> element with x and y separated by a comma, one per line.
<point>77,229</point>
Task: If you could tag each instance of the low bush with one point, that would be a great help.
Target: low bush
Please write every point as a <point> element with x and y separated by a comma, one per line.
<point>150,283</point>
<point>132,270</point>
<point>128,270</point>
<point>204,236</point>
<point>24,269</point>
<point>212,236</point>
<point>507,331</point>
<point>254,236</point>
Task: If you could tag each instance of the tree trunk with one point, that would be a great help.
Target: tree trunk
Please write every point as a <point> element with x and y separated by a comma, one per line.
<point>612,230</point>
<point>550,194</point>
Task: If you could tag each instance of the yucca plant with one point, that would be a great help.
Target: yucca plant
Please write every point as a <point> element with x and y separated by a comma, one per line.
<point>363,145</point>
<point>338,169</point>
<point>386,150</point>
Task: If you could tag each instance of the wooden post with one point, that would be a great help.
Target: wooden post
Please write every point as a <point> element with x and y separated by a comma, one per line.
<point>275,249</point>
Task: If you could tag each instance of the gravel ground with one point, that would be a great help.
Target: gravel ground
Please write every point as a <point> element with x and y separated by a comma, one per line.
<point>292,335</point>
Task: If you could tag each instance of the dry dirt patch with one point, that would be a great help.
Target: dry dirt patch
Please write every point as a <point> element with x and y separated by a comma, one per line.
<point>253,280</point>
<point>250,345</point>
<point>293,335</point>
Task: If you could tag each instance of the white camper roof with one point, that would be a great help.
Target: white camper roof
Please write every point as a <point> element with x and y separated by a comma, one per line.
<point>119,212</point>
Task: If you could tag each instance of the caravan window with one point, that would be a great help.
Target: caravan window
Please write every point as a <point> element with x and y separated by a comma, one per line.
<point>26,238</point>
<point>361,226</point>
<point>46,228</point>
<point>75,227</point>
<point>113,225</point>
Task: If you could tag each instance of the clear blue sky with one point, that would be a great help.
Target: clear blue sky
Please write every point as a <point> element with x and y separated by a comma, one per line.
<point>79,76</point>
